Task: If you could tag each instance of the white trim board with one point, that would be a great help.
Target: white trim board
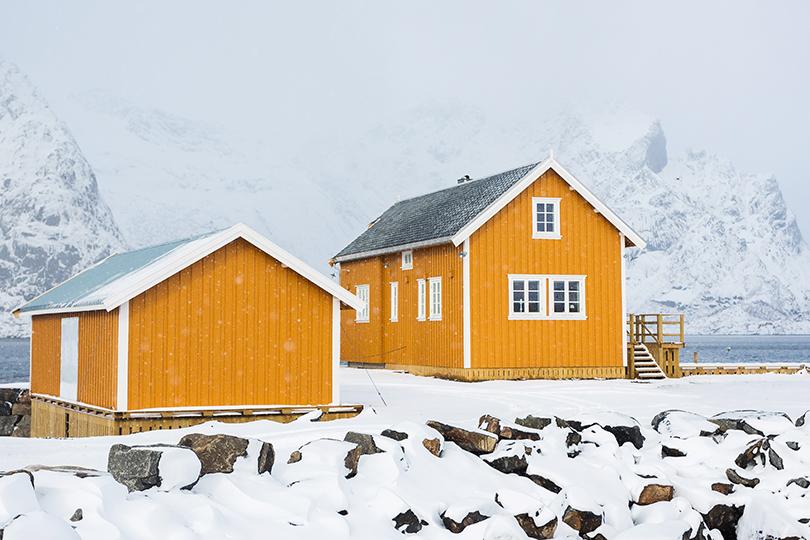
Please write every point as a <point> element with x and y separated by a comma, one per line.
<point>122,388</point>
<point>467,308</point>
<point>527,180</point>
<point>335,351</point>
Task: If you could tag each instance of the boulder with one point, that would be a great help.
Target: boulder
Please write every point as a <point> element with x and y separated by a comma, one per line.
<point>724,518</point>
<point>803,420</point>
<point>509,464</point>
<point>21,408</point>
<point>163,466</point>
<point>735,478</point>
<point>653,493</point>
<point>217,453</point>
<point>754,422</point>
<point>573,438</point>
<point>457,526</point>
<point>408,522</point>
<point>396,435</point>
<point>23,427</point>
<point>801,482</point>
<point>78,472</point>
<point>624,434</point>
<point>490,423</point>
<point>10,395</point>
<point>7,424</point>
<point>539,525</point>
<point>722,487</point>
<point>434,446</point>
<point>544,482</point>
<point>364,441</point>
<point>17,495</point>
<point>475,442</point>
<point>6,408</point>
<point>533,422</point>
<point>352,460</point>
<point>266,459</point>
<point>682,424</point>
<point>295,457</point>
<point>326,454</point>
<point>793,445</point>
<point>582,521</point>
<point>78,515</point>
<point>760,452</point>
<point>514,434</point>
<point>667,451</point>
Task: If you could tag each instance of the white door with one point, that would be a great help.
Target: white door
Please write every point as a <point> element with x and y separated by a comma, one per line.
<point>69,363</point>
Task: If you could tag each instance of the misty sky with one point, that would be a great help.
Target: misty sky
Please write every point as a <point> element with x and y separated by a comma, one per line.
<point>733,77</point>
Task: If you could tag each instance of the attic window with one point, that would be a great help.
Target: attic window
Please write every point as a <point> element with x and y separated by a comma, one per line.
<point>546,218</point>
<point>407,260</point>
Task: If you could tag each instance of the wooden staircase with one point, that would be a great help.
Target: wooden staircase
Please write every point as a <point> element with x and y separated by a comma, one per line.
<point>647,368</point>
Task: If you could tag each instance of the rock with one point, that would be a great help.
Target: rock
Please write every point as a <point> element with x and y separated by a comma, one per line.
<point>267,457</point>
<point>364,441</point>
<point>581,520</point>
<point>801,482</point>
<point>143,467</point>
<point>23,427</point>
<point>19,471</point>
<point>78,515</point>
<point>408,522</point>
<point>457,526</point>
<point>7,424</point>
<point>533,422</point>
<point>217,453</point>
<point>682,424</point>
<point>490,423</point>
<point>666,451</point>
<point>24,396</point>
<point>396,435</point>
<point>803,420</point>
<point>735,478</point>
<point>724,518</point>
<point>754,422</point>
<point>509,464</point>
<point>10,395</point>
<point>21,409</point>
<point>624,434</point>
<point>295,457</point>
<point>653,493</point>
<point>793,445</point>
<point>6,408</point>
<point>573,438</point>
<point>472,441</point>
<point>722,487</point>
<point>544,483</point>
<point>532,529</point>
<point>78,472</point>
<point>352,460</point>
<point>434,446</point>
<point>515,434</point>
<point>727,424</point>
<point>759,452</point>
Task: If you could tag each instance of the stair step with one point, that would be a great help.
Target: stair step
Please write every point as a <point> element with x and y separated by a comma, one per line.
<point>651,376</point>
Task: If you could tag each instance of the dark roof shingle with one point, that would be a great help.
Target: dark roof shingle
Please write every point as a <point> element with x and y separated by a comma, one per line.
<point>433,216</point>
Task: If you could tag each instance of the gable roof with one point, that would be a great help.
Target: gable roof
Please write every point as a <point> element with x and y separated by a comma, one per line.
<point>454,214</point>
<point>121,277</point>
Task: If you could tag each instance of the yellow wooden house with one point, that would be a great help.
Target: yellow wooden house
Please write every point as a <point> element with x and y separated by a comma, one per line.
<point>517,275</point>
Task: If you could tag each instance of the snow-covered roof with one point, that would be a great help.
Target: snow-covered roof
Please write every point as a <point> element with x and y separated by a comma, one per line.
<point>122,276</point>
<point>453,214</point>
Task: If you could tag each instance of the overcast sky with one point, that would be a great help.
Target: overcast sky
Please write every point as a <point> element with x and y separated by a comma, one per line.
<point>733,77</point>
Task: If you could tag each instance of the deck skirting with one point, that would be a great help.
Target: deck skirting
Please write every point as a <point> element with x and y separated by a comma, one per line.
<point>489,374</point>
<point>741,369</point>
<point>51,417</point>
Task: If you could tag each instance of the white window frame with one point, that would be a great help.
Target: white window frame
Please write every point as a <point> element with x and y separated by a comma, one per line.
<point>394,301</point>
<point>421,293</point>
<point>579,315</point>
<point>363,293</point>
<point>69,359</point>
<point>547,297</point>
<point>542,290</point>
<point>435,298</point>
<point>407,260</point>
<point>546,235</point>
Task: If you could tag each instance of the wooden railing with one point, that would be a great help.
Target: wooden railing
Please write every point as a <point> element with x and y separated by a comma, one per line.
<point>662,334</point>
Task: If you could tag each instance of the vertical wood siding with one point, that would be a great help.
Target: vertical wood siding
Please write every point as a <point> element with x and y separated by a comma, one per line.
<point>406,341</point>
<point>46,343</point>
<point>590,245</point>
<point>98,356</point>
<point>235,328</point>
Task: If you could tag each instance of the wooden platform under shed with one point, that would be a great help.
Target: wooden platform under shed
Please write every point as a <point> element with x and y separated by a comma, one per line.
<point>56,418</point>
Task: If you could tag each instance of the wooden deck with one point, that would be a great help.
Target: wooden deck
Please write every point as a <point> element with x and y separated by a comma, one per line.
<point>742,368</point>
<point>52,417</point>
<point>662,334</point>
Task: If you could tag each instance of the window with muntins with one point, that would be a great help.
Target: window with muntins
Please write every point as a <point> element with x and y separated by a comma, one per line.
<point>546,217</point>
<point>362,293</point>
<point>407,260</point>
<point>394,301</point>
<point>534,296</point>
<point>420,299</point>
<point>435,298</point>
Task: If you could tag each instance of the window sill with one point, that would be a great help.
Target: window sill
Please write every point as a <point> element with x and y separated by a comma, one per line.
<point>522,317</point>
<point>546,237</point>
<point>435,319</point>
<point>406,267</point>
<point>393,320</point>
<point>363,321</point>
<point>421,319</point>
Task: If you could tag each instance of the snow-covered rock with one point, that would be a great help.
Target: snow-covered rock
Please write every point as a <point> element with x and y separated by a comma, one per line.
<point>53,222</point>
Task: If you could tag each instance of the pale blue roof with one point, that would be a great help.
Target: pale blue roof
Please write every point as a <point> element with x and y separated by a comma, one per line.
<point>78,290</point>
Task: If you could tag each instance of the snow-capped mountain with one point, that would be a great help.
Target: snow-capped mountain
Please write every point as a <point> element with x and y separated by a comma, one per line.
<point>52,219</point>
<point>723,248</point>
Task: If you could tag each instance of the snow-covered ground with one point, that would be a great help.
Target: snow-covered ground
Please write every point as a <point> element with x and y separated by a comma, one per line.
<point>311,498</point>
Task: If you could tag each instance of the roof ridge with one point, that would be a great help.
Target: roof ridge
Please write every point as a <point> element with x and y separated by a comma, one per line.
<point>469,182</point>
<point>162,244</point>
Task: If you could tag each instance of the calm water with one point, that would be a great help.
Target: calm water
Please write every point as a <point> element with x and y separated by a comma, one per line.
<point>14,352</point>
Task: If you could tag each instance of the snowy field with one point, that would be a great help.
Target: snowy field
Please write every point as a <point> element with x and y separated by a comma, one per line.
<point>578,466</point>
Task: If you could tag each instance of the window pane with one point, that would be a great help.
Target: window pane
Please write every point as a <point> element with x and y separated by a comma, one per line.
<point>559,285</point>
<point>573,285</point>
<point>573,307</point>
<point>534,296</point>
<point>534,307</point>
<point>559,296</point>
<point>573,296</point>
<point>534,285</point>
<point>517,285</point>
<point>559,307</point>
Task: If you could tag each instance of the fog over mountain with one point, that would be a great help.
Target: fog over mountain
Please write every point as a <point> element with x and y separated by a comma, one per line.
<point>723,247</point>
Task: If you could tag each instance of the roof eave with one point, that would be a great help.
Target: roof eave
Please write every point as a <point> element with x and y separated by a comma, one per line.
<point>392,249</point>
